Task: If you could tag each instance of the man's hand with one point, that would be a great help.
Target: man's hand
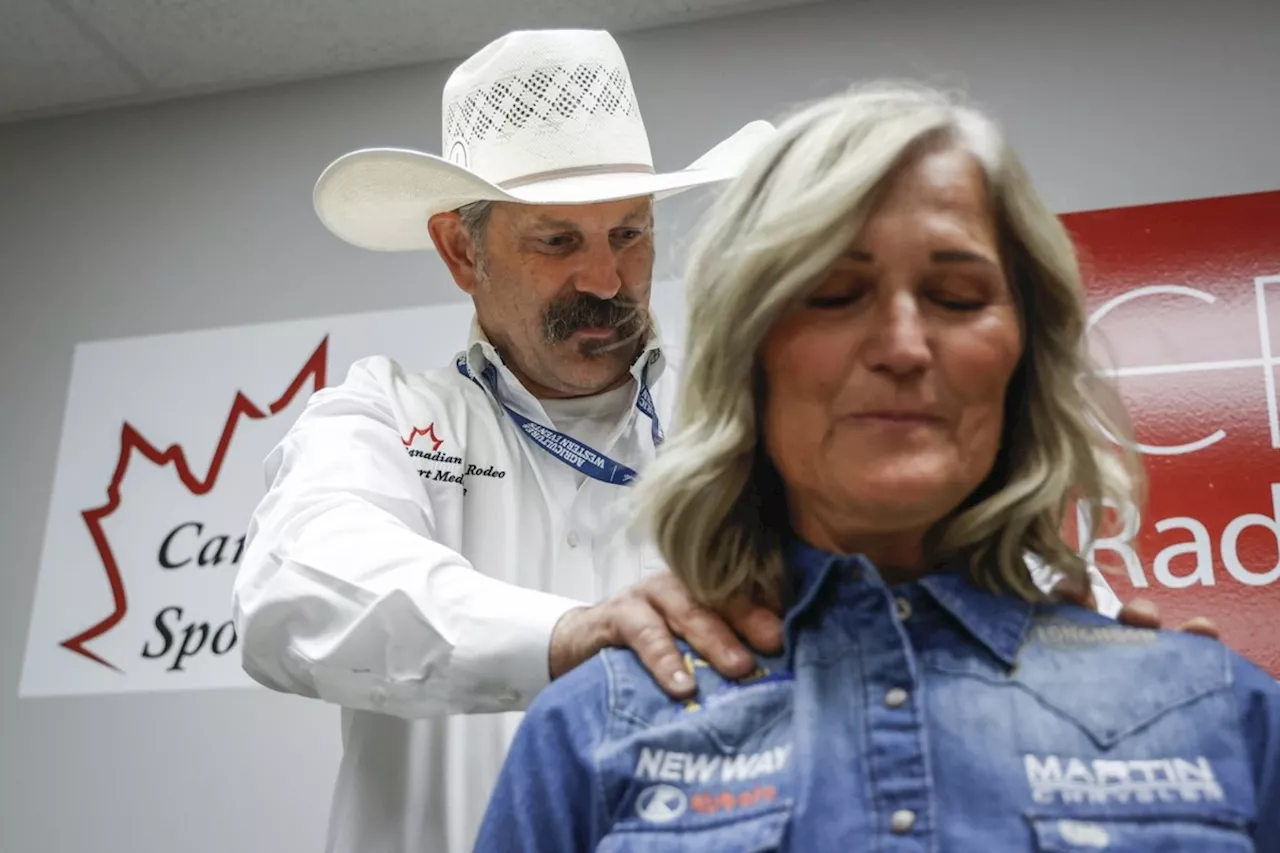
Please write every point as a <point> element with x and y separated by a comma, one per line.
<point>1139,613</point>
<point>647,618</point>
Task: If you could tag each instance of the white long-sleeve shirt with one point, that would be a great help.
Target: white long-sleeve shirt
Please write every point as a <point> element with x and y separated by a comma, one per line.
<point>409,561</point>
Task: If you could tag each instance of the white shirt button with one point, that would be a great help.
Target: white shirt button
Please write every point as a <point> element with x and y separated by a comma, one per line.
<point>572,539</point>
<point>896,698</point>
<point>378,697</point>
<point>510,697</point>
<point>902,821</point>
<point>904,609</point>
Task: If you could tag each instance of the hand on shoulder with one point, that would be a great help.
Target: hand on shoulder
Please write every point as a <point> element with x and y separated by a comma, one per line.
<point>649,616</point>
<point>1138,613</point>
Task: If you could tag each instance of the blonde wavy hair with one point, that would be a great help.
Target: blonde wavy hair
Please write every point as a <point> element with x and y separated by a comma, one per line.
<point>713,500</point>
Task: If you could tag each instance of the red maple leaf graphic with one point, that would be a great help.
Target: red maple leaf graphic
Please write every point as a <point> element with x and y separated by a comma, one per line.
<point>131,440</point>
<point>428,432</point>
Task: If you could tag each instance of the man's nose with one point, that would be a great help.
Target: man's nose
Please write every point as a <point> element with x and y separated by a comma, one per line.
<point>597,273</point>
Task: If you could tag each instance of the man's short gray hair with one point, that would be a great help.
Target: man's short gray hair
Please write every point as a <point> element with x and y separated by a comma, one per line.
<point>475,218</point>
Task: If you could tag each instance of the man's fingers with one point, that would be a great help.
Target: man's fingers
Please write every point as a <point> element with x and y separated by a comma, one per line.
<point>1201,625</point>
<point>759,625</point>
<point>706,632</point>
<point>1078,593</point>
<point>713,640</point>
<point>1140,613</point>
<point>645,630</point>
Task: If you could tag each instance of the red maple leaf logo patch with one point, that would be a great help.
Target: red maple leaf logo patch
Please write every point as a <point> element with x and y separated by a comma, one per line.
<point>131,440</point>
<point>428,432</point>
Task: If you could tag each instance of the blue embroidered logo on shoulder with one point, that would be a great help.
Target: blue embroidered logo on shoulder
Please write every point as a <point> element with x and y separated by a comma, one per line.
<point>1058,632</point>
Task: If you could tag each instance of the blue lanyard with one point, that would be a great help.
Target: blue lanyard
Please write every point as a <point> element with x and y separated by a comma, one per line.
<point>569,450</point>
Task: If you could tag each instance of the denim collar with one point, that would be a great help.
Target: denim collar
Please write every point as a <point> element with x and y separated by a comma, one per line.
<point>997,621</point>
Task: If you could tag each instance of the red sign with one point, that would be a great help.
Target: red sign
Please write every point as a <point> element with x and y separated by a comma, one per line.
<point>1184,302</point>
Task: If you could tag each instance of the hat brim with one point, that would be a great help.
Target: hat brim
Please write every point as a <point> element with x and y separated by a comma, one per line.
<point>381,198</point>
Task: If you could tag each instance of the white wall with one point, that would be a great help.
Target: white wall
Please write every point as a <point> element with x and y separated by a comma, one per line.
<point>197,214</point>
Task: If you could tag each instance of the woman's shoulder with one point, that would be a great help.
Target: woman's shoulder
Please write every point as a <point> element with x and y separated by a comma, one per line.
<point>615,684</point>
<point>632,691</point>
<point>1258,699</point>
<point>1138,672</point>
<point>1080,637</point>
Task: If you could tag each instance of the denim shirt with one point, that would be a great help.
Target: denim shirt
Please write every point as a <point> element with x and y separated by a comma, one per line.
<point>930,716</point>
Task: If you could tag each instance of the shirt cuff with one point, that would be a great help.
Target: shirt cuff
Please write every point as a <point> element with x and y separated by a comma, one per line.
<point>508,663</point>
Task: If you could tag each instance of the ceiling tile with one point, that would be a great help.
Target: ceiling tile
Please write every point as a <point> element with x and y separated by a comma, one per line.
<point>59,55</point>
<point>47,61</point>
<point>203,44</point>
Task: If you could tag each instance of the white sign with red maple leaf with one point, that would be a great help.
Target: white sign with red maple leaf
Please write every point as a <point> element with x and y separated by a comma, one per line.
<point>159,469</point>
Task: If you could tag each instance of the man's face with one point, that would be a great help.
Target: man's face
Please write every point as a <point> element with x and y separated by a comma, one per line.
<point>562,291</point>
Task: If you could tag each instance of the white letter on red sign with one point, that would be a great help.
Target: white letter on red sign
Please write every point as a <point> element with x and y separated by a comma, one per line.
<point>1229,536</point>
<point>1201,545</point>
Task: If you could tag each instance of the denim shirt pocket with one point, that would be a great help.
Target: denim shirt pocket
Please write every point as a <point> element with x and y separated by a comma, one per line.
<point>1060,835</point>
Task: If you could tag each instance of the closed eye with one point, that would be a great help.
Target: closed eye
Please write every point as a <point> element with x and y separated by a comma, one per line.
<point>961,304</point>
<point>831,301</point>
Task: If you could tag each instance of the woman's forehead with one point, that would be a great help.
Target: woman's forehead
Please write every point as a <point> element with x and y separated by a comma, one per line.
<point>947,178</point>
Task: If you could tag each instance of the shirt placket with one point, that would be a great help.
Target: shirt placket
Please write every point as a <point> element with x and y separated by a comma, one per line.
<point>577,545</point>
<point>897,748</point>
<point>594,540</point>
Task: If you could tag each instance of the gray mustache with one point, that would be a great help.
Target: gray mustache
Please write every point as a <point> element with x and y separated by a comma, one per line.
<point>584,311</point>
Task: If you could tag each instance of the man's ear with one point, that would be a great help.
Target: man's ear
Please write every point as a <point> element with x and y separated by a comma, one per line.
<point>456,249</point>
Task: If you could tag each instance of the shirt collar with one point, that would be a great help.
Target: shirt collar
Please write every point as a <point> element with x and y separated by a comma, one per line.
<point>480,352</point>
<point>997,621</point>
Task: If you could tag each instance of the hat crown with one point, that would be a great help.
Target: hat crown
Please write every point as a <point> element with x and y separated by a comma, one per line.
<point>535,104</point>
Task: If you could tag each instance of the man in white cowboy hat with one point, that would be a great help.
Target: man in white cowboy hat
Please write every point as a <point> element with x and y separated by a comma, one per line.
<point>430,541</point>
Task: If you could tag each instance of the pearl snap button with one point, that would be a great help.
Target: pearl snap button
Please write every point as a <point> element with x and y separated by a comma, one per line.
<point>904,609</point>
<point>902,821</point>
<point>896,698</point>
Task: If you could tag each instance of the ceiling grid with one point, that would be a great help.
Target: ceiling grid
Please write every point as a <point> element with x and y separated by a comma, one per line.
<point>65,56</point>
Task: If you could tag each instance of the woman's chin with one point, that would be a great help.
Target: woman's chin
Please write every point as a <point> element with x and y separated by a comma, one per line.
<point>916,499</point>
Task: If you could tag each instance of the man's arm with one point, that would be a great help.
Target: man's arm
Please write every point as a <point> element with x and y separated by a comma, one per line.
<point>343,595</point>
<point>547,797</point>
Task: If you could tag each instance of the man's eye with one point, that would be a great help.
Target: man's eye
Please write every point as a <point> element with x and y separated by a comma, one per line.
<point>556,242</point>
<point>628,234</point>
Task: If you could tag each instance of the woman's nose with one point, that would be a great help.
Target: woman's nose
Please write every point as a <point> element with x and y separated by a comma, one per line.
<point>900,340</point>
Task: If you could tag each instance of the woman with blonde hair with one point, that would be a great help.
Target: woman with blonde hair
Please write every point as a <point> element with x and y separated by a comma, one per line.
<point>888,411</point>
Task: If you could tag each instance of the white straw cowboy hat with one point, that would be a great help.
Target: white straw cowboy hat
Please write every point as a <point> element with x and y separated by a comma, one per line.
<point>538,117</point>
